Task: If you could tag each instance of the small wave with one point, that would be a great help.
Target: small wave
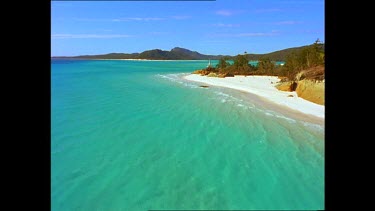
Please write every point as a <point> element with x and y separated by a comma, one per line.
<point>251,107</point>
<point>277,115</point>
<point>191,85</point>
<point>286,118</point>
<point>269,114</point>
<point>222,94</point>
<point>177,77</point>
<point>313,126</point>
<point>224,97</point>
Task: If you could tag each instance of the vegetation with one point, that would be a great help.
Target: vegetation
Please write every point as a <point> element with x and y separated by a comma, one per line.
<point>223,63</point>
<point>308,57</point>
<point>266,66</point>
<point>241,66</point>
<point>282,54</point>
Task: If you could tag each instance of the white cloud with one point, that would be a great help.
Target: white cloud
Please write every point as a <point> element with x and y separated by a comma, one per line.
<point>217,41</point>
<point>181,17</point>
<point>254,34</point>
<point>288,22</point>
<point>311,31</point>
<point>177,17</point>
<point>303,2</point>
<point>89,19</point>
<point>268,10</point>
<point>85,36</point>
<point>158,33</point>
<point>138,19</point>
<point>229,12</point>
<point>225,12</point>
<point>225,25</point>
<point>249,34</point>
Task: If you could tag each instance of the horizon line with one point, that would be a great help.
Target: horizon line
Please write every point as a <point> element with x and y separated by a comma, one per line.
<point>173,48</point>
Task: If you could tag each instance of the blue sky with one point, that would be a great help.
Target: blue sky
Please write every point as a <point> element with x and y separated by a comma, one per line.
<point>225,27</point>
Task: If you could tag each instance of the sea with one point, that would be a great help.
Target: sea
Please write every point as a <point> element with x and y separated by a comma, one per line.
<point>135,135</point>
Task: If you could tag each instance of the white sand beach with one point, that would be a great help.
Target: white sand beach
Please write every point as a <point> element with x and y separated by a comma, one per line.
<point>263,86</point>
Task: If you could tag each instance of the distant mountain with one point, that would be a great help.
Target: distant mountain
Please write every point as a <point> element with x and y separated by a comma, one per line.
<point>178,53</point>
<point>104,56</point>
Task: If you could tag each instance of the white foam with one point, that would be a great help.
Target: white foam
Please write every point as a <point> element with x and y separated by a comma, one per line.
<point>313,126</point>
<point>177,78</point>
<point>287,118</point>
<point>262,86</point>
<point>268,114</point>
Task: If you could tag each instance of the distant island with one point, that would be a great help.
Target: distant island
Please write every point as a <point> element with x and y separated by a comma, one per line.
<point>178,53</point>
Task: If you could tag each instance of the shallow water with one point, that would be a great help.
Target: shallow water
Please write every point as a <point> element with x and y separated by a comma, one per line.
<point>134,135</point>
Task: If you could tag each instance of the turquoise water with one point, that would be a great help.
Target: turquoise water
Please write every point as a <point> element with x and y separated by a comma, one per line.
<point>134,135</point>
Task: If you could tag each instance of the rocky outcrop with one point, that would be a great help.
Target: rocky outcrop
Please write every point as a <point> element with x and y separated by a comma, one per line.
<point>201,72</point>
<point>311,90</point>
<point>212,75</point>
<point>223,75</point>
<point>285,86</point>
<point>313,73</point>
<point>209,73</point>
<point>308,84</point>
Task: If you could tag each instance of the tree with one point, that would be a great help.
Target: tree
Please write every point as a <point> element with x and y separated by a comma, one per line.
<point>240,61</point>
<point>223,63</point>
<point>310,56</point>
<point>291,66</point>
<point>266,66</point>
<point>319,51</point>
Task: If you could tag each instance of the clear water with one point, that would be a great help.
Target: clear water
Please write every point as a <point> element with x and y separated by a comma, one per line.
<point>134,135</point>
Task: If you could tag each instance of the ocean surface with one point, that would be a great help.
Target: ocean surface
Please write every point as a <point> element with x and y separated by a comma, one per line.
<point>134,135</point>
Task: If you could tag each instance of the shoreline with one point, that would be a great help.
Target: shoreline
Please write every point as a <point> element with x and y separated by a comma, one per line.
<point>269,96</point>
<point>162,60</point>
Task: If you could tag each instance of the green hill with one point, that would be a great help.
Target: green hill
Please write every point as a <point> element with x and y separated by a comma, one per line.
<point>103,56</point>
<point>279,55</point>
<point>176,53</point>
